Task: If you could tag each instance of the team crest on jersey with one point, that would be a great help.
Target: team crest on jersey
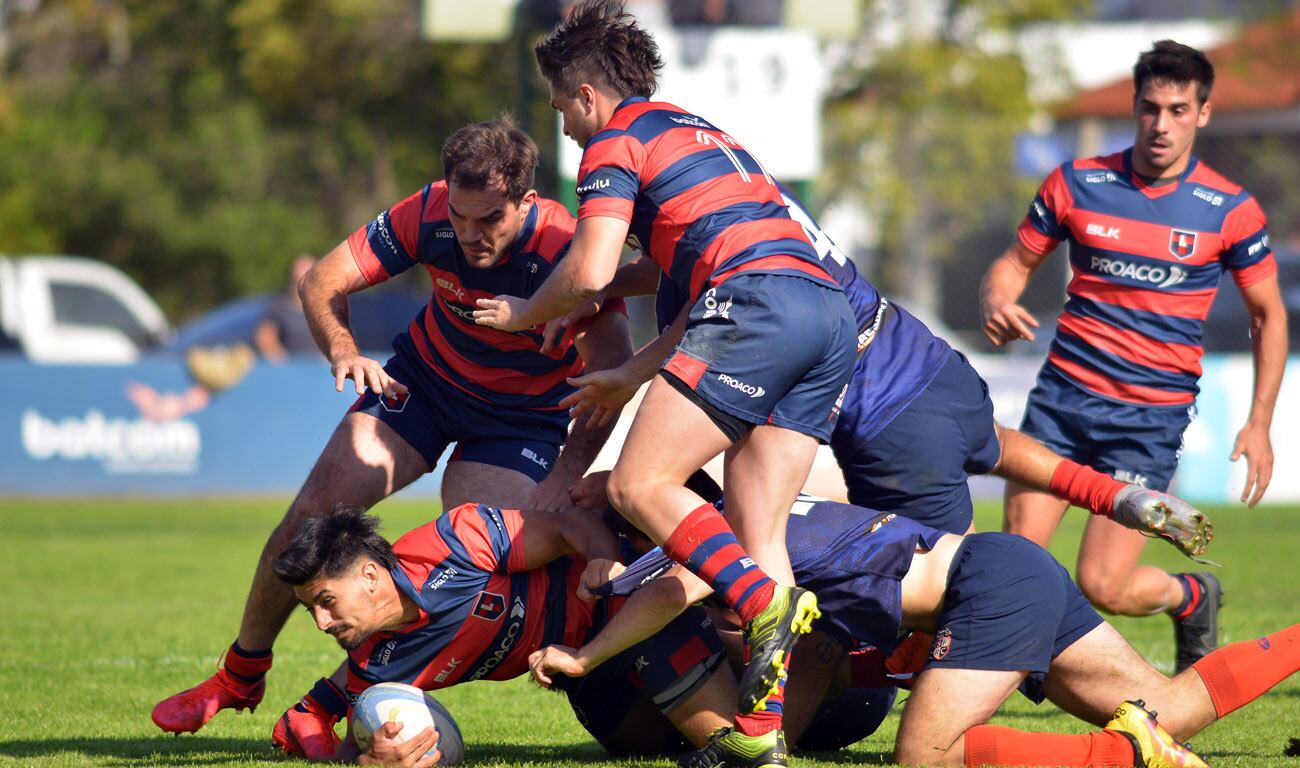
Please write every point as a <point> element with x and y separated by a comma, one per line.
<point>1182,243</point>
<point>942,644</point>
<point>489,606</point>
<point>396,403</point>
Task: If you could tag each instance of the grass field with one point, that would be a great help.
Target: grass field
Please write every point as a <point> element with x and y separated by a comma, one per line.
<point>112,605</point>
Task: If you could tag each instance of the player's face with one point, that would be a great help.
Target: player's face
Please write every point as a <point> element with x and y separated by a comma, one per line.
<point>581,121</point>
<point>343,607</point>
<point>1167,116</point>
<point>486,222</point>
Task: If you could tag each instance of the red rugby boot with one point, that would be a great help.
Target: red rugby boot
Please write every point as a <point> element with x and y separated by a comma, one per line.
<point>190,710</point>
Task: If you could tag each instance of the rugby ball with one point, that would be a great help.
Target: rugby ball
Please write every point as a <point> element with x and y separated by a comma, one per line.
<point>414,709</point>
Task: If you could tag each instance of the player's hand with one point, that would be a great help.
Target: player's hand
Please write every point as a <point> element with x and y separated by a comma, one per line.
<point>589,491</point>
<point>503,313</point>
<point>598,572</point>
<point>555,660</point>
<point>1163,516</point>
<point>1253,442</point>
<point>551,495</point>
<point>601,393</point>
<point>366,374</point>
<point>384,750</point>
<point>1007,322</point>
<point>559,327</point>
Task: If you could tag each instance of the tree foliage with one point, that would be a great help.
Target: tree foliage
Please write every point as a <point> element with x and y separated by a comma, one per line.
<point>201,147</point>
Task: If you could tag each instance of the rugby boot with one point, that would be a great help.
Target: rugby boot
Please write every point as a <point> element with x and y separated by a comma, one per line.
<point>1197,632</point>
<point>729,747</point>
<point>1153,747</point>
<point>307,728</point>
<point>768,640</point>
<point>1167,517</point>
<point>190,710</point>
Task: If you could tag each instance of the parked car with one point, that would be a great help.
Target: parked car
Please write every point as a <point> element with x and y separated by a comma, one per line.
<point>69,309</point>
<point>377,316</point>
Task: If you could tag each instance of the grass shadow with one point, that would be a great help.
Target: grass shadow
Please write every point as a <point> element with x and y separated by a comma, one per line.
<point>181,751</point>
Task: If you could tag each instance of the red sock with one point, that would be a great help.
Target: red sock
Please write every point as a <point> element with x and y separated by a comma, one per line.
<point>759,723</point>
<point>249,666</point>
<point>1237,674</point>
<point>1086,487</point>
<point>998,745</point>
<point>706,545</point>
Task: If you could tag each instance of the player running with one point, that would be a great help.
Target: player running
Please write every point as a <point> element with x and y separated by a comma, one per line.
<point>1004,616</point>
<point>767,348</point>
<point>481,232</point>
<point>1151,230</point>
<point>916,420</point>
<point>469,597</point>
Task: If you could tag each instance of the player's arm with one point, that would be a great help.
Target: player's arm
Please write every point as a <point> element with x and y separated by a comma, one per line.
<point>605,343</point>
<point>603,393</point>
<point>1002,317</point>
<point>647,611</point>
<point>589,266</point>
<point>324,291</point>
<point>635,278</point>
<point>546,536</point>
<point>1268,338</point>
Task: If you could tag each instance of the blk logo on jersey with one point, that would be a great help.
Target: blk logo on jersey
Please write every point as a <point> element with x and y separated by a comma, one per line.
<point>489,606</point>
<point>1182,243</point>
<point>395,404</point>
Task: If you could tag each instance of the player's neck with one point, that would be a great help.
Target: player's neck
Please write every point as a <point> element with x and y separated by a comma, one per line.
<point>1153,176</point>
<point>397,609</point>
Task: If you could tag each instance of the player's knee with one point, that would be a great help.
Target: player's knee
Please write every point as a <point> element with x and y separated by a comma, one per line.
<point>624,491</point>
<point>1105,593</point>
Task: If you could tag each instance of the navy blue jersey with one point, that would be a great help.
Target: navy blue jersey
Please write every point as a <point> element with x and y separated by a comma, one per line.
<point>904,355</point>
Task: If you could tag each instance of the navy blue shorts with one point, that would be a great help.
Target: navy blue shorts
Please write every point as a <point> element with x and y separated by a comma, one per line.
<point>1137,444</point>
<point>436,414</point>
<point>770,349</point>
<point>1009,607</point>
<point>849,718</point>
<point>666,668</point>
<point>918,464</point>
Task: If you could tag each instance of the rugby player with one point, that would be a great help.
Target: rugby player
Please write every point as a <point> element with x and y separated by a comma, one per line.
<point>1151,230</point>
<point>1004,616</point>
<point>768,343</point>
<point>480,232</point>
<point>916,419</point>
<point>468,597</point>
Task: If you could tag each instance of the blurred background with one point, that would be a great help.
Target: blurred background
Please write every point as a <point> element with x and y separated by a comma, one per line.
<point>167,170</point>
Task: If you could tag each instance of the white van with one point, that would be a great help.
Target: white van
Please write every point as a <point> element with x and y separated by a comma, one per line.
<point>67,309</point>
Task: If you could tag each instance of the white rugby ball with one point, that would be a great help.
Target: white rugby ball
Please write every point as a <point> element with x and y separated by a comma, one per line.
<point>414,709</point>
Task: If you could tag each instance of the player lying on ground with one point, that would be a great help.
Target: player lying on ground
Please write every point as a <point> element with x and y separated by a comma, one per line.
<point>1151,231</point>
<point>481,232</point>
<point>1004,615</point>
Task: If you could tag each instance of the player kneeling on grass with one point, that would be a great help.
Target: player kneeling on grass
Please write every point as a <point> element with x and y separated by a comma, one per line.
<point>1004,615</point>
<point>469,596</point>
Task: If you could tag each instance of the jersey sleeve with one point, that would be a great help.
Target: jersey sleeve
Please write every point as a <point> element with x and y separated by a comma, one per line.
<point>389,244</point>
<point>491,538</point>
<point>1043,227</point>
<point>1245,244</point>
<point>609,177</point>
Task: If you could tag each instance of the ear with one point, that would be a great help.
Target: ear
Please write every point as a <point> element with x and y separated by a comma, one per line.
<point>1204,116</point>
<point>587,97</point>
<point>526,202</point>
<point>370,575</point>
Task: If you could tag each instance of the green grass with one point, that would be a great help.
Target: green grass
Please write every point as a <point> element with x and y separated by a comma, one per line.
<point>110,606</point>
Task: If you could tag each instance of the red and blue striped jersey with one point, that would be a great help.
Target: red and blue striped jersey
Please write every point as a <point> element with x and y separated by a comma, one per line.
<point>1146,263</point>
<point>699,204</point>
<point>480,613</point>
<point>505,369</point>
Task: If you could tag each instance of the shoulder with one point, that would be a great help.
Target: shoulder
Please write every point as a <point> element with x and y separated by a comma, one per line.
<point>1205,176</point>
<point>555,227</point>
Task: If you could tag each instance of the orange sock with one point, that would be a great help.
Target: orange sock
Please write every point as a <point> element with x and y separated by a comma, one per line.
<point>997,745</point>
<point>1237,674</point>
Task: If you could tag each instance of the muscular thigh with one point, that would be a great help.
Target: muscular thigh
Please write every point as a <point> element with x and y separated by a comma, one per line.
<point>1101,670</point>
<point>464,482</point>
<point>945,702</point>
<point>364,462</point>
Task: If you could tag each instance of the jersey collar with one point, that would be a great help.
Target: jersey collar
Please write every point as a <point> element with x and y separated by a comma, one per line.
<point>1162,190</point>
<point>525,233</point>
<point>629,101</point>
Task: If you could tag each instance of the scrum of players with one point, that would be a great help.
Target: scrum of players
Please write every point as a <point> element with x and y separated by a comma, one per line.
<point>667,609</point>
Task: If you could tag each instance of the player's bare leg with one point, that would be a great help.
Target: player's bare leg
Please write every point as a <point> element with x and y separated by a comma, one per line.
<point>1109,574</point>
<point>471,481</point>
<point>944,704</point>
<point>364,462</point>
<point>1032,514</point>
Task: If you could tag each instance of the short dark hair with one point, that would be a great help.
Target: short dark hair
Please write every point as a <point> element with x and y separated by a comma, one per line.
<point>490,154</point>
<point>330,544</point>
<point>600,43</point>
<point>1171,62</point>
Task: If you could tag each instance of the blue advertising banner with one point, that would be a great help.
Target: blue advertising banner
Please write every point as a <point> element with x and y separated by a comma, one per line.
<point>149,428</point>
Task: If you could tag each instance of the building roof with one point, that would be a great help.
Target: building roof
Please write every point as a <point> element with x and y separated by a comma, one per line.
<point>1257,71</point>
